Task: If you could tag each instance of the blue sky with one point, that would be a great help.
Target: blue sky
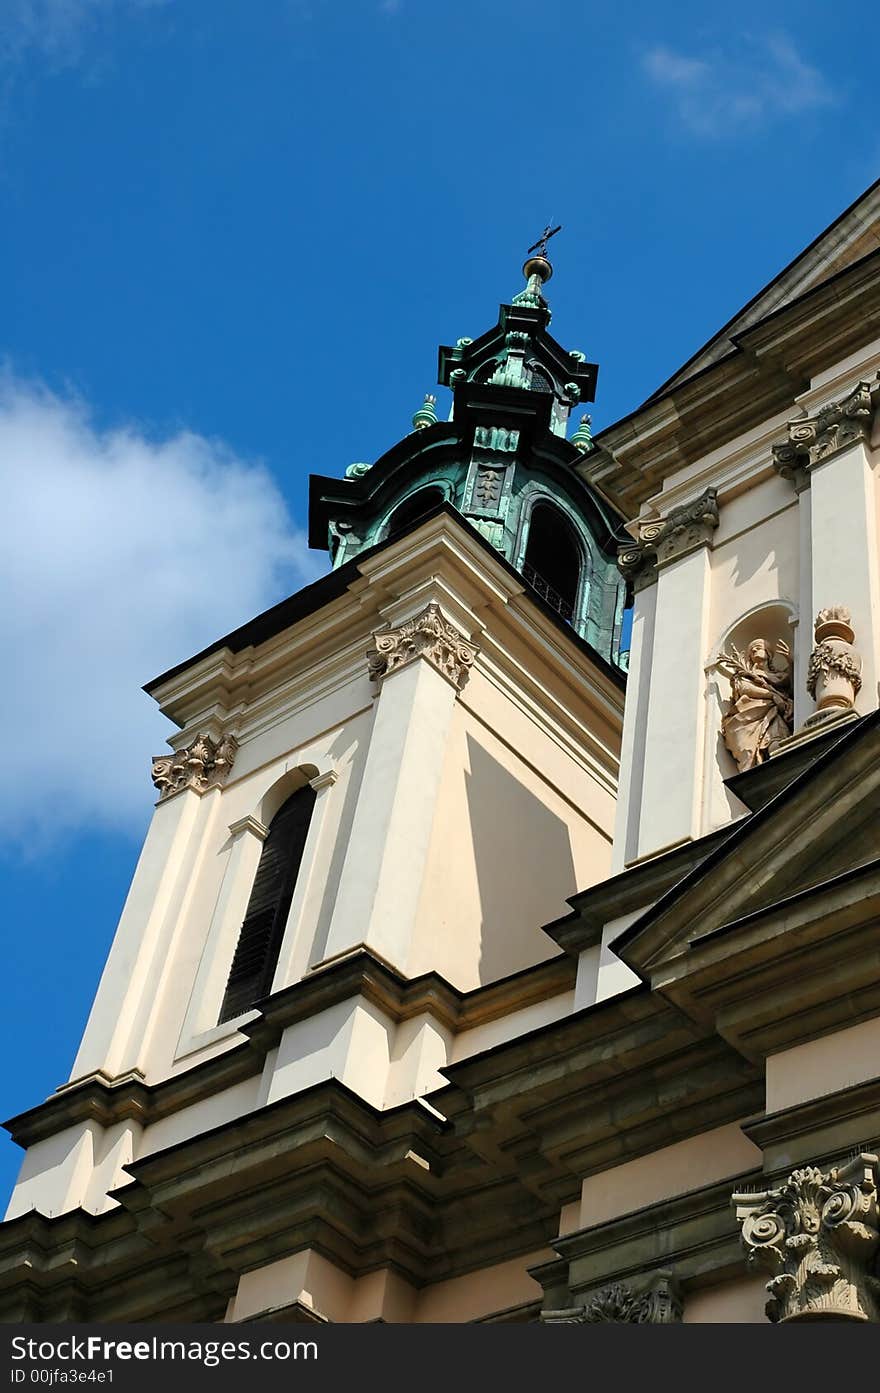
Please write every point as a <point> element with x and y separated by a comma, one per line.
<point>231,237</point>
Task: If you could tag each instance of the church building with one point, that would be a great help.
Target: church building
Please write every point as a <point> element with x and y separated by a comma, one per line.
<point>504,946</point>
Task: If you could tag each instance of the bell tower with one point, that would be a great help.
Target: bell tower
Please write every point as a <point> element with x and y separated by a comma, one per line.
<point>505,462</point>
<point>378,793</point>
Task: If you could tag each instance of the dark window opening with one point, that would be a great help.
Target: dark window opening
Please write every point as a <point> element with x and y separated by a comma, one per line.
<point>259,940</point>
<point>552,564</point>
<point>416,507</point>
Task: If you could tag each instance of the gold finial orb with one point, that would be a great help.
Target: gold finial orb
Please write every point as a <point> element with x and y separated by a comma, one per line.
<point>538,266</point>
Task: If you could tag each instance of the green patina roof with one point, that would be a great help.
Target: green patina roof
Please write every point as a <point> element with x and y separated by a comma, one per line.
<point>503,452</point>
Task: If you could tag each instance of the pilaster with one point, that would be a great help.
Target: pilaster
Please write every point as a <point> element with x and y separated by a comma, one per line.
<point>664,763</point>
<point>827,458</point>
<point>419,667</point>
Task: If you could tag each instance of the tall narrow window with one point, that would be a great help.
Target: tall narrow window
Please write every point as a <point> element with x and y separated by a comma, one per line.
<point>552,564</point>
<point>259,940</point>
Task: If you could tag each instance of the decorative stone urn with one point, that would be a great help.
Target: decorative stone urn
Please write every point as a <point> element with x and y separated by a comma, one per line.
<point>834,675</point>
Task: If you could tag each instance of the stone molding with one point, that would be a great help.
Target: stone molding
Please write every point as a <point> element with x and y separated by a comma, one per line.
<point>814,439</point>
<point>818,1234</point>
<point>684,529</point>
<point>657,1303</point>
<point>202,764</point>
<point>429,635</point>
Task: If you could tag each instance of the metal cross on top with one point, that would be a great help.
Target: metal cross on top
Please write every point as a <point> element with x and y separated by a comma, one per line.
<point>541,245</point>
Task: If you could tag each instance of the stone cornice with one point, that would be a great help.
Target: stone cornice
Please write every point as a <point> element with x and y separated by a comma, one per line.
<point>692,1235</point>
<point>361,974</point>
<point>768,366</point>
<point>637,886</point>
<point>811,801</point>
<point>321,651</point>
<point>819,1130</point>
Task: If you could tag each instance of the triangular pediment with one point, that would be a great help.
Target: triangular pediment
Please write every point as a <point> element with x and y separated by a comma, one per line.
<point>852,236</point>
<point>820,827</point>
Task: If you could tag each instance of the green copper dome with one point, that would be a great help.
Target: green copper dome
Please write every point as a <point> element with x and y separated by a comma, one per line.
<point>502,460</point>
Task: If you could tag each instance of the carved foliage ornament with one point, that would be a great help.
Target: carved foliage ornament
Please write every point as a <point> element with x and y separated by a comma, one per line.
<point>834,675</point>
<point>814,438</point>
<point>657,1304</point>
<point>818,1235</point>
<point>202,764</point>
<point>683,530</point>
<point>428,636</point>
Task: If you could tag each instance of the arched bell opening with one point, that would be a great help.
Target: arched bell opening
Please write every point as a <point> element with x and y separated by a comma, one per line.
<point>552,562</point>
<point>414,508</point>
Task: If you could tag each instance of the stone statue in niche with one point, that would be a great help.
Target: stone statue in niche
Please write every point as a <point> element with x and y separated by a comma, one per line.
<point>761,708</point>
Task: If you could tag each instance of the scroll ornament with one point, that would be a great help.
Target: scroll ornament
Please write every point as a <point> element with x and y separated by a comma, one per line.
<point>658,1303</point>
<point>428,636</point>
<point>683,530</point>
<point>201,765</point>
<point>818,1235</point>
<point>834,675</point>
<point>814,438</point>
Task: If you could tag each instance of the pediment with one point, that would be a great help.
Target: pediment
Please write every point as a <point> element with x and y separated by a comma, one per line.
<point>852,236</point>
<point>822,826</point>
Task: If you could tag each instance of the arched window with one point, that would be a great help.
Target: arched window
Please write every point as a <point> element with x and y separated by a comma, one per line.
<point>552,564</point>
<point>414,508</point>
<point>259,940</point>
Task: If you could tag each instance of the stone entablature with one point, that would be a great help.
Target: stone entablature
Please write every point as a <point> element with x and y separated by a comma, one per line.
<point>818,1235</point>
<point>813,439</point>
<point>429,635</point>
<point>683,530</point>
<point>657,1303</point>
<point>202,764</point>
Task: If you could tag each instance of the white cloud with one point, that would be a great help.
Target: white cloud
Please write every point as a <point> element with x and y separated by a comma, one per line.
<point>56,30</point>
<point>121,556</point>
<point>744,85</point>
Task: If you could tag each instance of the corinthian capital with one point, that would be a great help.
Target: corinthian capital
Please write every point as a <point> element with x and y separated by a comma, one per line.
<point>202,764</point>
<point>428,636</point>
<point>813,439</point>
<point>818,1235</point>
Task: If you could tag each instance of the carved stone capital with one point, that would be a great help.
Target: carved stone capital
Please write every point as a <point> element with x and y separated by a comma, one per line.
<point>202,764</point>
<point>684,529</point>
<point>813,439</point>
<point>818,1235</point>
<point>657,1302</point>
<point>428,636</point>
<point>637,564</point>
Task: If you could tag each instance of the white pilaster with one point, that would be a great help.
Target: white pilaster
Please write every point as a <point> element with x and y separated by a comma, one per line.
<point>383,871</point>
<point>844,546</point>
<point>161,878</point>
<point>673,755</point>
<point>635,720</point>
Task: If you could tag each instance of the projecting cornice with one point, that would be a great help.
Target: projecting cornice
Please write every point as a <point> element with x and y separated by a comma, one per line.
<point>768,366</point>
